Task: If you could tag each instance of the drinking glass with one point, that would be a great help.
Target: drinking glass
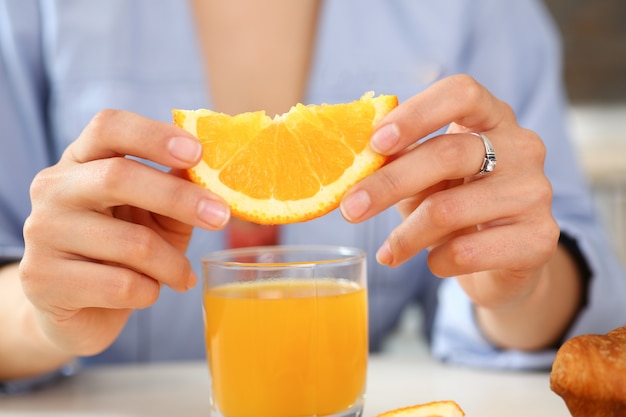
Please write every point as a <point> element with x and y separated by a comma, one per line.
<point>286,331</point>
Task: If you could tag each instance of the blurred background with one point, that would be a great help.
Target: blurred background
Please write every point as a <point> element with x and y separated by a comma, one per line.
<point>594,48</point>
<point>594,40</point>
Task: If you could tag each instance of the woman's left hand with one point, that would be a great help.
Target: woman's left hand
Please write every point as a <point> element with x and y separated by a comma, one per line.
<point>494,231</point>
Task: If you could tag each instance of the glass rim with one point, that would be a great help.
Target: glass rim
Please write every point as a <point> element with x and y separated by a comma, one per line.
<point>337,254</point>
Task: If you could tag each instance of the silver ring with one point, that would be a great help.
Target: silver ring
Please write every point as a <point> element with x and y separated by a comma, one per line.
<point>489,163</point>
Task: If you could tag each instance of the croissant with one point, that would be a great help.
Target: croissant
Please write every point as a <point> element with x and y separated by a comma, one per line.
<point>589,374</point>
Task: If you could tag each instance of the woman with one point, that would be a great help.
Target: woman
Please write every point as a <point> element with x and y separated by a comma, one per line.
<point>108,238</point>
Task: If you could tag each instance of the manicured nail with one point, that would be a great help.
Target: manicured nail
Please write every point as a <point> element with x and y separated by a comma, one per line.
<point>213,213</point>
<point>192,280</point>
<point>384,256</point>
<point>185,149</point>
<point>355,205</point>
<point>385,138</point>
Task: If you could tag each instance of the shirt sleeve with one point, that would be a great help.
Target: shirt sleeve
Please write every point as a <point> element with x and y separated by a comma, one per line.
<point>25,385</point>
<point>24,144</point>
<point>25,149</point>
<point>523,68</point>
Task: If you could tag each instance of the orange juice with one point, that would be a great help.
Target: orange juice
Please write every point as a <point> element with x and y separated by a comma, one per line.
<point>287,347</point>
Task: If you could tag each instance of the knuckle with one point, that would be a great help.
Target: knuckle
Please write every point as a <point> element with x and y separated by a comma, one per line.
<point>469,89</point>
<point>139,244</point>
<point>131,289</point>
<point>183,272</point>
<point>538,190</point>
<point>399,245</point>
<point>32,277</point>
<point>532,145</point>
<point>544,192</point>
<point>453,257</point>
<point>442,210</point>
<point>31,227</point>
<point>539,151</point>
<point>38,228</point>
<point>451,153</point>
<point>547,238</point>
<point>42,183</point>
<point>101,121</point>
<point>112,173</point>
<point>392,183</point>
<point>417,116</point>
<point>149,293</point>
<point>123,287</point>
<point>462,256</point>
<point>508,113</point>
<point>182,193</point>
<point>27,272</point>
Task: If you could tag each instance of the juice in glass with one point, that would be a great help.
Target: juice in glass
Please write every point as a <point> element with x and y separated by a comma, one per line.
<point>287,347</point>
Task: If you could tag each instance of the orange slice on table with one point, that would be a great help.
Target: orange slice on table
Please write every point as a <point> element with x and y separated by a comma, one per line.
<point>432,409</point>
<point>290,168</point>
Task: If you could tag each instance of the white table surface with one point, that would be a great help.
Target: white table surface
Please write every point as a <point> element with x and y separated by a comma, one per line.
<point>180,389</point>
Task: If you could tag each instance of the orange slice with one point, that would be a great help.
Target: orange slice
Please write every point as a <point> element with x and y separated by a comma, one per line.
<point>292,168</point>
<point>432,409</point>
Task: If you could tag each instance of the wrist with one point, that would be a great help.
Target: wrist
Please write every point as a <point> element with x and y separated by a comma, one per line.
<point>541,318</point>
<point>24,348</point>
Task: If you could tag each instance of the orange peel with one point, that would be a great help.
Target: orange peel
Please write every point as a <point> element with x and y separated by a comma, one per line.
<point>431,409</point>
<point>290,168</point>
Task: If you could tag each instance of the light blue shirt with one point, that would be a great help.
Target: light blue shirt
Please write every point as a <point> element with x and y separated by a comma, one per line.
<point>63,61</point>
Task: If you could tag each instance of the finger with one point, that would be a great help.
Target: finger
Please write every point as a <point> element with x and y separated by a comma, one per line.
<point>442,215</point>
<point>447,213</point>
<point>118,133</point>
<point>124,181</point>
<point>133,246</point>
<point>508,247</point>
<point>446,157</point>
<point>111,182</point>
<point>104,239</point>
<point>458,99</point>
<point>82,284</point>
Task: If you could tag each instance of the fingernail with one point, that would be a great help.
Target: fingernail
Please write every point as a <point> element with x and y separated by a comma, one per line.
<point>355,205</point>
<point>384,256</point>
<point>213,213</point>
<point>385,138</point>
<point>185,149</point>
<point>192,280</point>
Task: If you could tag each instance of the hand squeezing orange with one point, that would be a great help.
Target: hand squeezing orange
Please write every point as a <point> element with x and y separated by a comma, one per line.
<point>292,168</point>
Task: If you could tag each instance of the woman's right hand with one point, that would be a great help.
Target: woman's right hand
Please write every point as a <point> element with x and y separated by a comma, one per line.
<point>106,231</point>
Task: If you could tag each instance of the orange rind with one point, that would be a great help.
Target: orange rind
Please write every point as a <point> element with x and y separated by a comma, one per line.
<point>432,409</point>
<point>290,168</point>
